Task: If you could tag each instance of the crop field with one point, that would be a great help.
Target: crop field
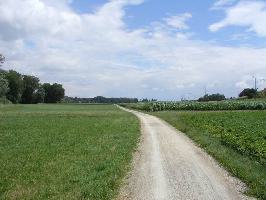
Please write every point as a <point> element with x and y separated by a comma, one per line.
<point>200,106</point>
<point>235,138</point>
<point>64,151</point>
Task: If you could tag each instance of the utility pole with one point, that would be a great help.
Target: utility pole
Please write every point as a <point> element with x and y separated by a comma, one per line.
<point>255,82</point>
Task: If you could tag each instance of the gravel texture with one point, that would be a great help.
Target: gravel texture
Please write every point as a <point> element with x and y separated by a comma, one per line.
<point>168,165</point>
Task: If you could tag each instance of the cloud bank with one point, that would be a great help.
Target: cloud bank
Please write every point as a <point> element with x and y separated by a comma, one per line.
<point>97,54</point>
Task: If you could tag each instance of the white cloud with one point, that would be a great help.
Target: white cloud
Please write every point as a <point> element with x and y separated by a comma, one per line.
<point>95,54</point>
<point>179,21</point>
<point>222,3</point>
<point>250,14</point>
<point>245,82</point>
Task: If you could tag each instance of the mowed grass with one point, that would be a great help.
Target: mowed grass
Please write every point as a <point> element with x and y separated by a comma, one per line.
<point>64,151</point>
<point>237,139</point>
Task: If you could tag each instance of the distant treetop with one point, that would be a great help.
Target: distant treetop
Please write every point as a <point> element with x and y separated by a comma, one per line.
<point>2,59</point>
<point>212,97</point>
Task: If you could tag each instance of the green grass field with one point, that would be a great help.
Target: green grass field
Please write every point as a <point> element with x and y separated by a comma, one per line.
<point>237,139</point>
<point>64,151</point>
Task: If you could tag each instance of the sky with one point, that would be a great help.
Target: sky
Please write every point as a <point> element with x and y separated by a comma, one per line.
<point>167,50</point>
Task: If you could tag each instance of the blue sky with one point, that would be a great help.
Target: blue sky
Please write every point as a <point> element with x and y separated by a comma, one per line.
<point>203,15</point>
<point>139,48</point>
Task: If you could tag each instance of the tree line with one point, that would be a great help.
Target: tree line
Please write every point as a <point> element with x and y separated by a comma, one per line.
<point>99,99</point>
<point>27,89</point>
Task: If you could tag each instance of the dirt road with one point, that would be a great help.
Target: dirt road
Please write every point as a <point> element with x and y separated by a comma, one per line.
<point>168,165</point>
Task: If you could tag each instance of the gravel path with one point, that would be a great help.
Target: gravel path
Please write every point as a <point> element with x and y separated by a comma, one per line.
<point>168,165</point>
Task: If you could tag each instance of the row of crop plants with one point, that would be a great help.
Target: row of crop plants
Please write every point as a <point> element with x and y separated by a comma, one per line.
<point>243,131</point>
<point>199,106</point>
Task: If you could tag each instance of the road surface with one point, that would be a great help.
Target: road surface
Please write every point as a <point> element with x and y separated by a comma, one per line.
<point>168,166</point>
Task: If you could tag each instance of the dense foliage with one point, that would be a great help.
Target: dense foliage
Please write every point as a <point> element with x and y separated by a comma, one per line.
<point>201,106</point>
<point>15,84</point>
<point>4,100</point>
<point>3,86</point>
<point>30,85</point>
<point>26,89</point>
<point>53,92</point>
<point>212,97</point>
<point>249,93</point>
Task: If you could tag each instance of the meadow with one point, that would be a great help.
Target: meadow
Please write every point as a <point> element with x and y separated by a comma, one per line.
<point>237,139</point>
<point>57,151</point>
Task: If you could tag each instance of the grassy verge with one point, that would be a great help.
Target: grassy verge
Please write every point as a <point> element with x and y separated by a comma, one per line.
<point>64,151</point>
<point>236,139</point>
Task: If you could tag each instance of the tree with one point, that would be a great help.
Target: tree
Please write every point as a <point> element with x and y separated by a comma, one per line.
<point>53,93</point>
<point>2,59</point>
<point>30,86</point>
<point>39,95</point>
<point>145,100</point>
<point>47,92</point>
<point>3,86</point>
<point>15,84</point>
<point>212,97</point>
<point>58,92</point>
<point>3,81</point>
<point>248,92</point>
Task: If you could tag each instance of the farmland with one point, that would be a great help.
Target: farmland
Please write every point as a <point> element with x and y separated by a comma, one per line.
<point>235,138</point>
<point>200,106</point>
<point>64,151</point>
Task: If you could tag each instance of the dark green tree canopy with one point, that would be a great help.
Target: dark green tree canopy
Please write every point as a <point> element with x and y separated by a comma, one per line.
<point>30,86</point>
<point>212,97</point>
<point>53,93</point>
<point>3,85</point>
<point>27,89</point>
<point>15,84</point>
<point>39,95</point>
<point>99,99</point>
<point>3,82</point>
<point>248,92</point>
